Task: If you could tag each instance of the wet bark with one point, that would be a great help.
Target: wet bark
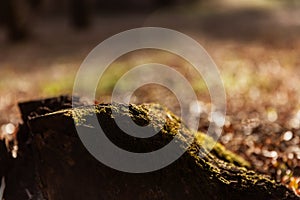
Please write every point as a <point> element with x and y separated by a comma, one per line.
<point>62,168</point>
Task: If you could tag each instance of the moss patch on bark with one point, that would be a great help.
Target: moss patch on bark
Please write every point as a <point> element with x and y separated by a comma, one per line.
<point>198,174</point>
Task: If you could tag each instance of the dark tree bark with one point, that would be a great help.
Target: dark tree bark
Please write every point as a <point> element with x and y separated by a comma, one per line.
<point>63,168</point>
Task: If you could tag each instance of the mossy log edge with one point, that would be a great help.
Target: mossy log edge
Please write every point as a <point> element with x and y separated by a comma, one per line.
<point>198,174</point>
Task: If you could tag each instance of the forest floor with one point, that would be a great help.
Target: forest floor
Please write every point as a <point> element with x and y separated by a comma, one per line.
<point>256,50</point>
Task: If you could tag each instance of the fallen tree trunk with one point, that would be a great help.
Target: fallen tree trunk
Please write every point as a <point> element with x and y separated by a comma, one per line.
<point>64,169</point>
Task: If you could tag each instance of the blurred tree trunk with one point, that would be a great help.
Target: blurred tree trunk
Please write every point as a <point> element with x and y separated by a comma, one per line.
<point>163,3</point>
<point>15,18</point>
<point>79,11</point>
<point>35,3</point>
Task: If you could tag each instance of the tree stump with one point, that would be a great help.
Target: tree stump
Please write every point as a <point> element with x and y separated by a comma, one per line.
<point>64,169</point>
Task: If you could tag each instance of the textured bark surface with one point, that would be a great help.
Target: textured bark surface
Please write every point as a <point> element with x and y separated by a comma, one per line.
<point>63,169</point>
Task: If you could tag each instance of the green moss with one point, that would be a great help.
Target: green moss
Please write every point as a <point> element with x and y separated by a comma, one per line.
<point>200,169</point>
<point>161,119</point>
<point>220,151</point>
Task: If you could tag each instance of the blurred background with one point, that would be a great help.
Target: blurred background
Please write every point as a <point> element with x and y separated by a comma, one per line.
<point>255,44</point>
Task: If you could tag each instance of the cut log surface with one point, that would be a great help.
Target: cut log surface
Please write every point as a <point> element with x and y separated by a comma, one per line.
<point>63,169</point>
